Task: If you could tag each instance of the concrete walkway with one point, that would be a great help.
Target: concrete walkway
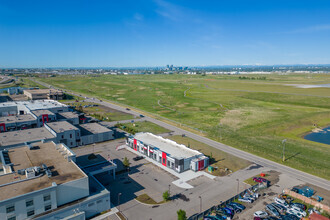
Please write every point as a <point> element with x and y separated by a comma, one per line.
<point>184,177</point>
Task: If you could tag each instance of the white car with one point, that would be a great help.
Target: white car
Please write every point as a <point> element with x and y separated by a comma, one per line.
<point>281,202</point>
<point>297,211</point>
<point>260,214</point>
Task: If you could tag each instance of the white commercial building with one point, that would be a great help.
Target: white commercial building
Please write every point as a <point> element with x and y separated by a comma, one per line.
<point>167,152</point>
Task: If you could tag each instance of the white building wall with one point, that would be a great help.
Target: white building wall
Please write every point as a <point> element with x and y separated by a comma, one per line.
<point>73,190</point>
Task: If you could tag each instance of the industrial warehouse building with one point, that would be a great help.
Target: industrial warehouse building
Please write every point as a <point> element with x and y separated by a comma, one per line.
<point>38,94</point>
<point>25,107</point>
<point>94,133</point>
<point>42,181</point>
<point>167,152</point>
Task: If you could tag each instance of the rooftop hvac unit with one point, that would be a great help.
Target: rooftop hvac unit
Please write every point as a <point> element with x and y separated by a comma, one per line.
<point>21,171</point>
<point>49,173</point>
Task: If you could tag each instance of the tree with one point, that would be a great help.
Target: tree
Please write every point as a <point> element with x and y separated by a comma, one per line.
<point>181,215</point>
<point>166,195</point>
<point>126,162</point>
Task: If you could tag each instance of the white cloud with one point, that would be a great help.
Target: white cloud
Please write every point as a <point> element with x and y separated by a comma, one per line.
<point>310,29</point>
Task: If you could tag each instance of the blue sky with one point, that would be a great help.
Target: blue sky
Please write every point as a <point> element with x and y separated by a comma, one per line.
<point>127,33</point>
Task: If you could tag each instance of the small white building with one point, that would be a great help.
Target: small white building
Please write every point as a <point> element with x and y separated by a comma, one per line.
<point>167,152</point>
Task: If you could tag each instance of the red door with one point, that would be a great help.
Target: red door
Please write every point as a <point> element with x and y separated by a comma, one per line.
<point>164,159</point>
<point>200,164</point>
<point>135,145</point>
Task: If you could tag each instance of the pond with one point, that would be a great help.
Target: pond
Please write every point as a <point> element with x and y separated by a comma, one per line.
<point>323,136</point>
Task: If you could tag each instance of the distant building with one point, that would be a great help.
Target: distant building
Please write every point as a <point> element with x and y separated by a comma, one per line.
<point>94,133</point>
<point>65,133</point>
<point>167,152</point>
<point>38,94</point>
<point>42,181</point>
<point>71,117</point>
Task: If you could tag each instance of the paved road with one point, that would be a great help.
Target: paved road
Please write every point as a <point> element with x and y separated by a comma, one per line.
<point>305,177</point>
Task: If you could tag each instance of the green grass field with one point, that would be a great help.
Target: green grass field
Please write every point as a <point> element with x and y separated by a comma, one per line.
<point>252,115</point>
<point>146,126</point>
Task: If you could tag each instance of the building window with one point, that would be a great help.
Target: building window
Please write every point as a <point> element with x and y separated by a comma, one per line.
<point>29,203</point>
<point>90,204</point>
<point>71,143</point>
<point>46,197</point>
<point>30,212</point>
<point>70,135</point>
<point>62,136</point>
<point>48,207</point>
<point>10,208</point>
<point>100,201</point>
<point>11,217</point>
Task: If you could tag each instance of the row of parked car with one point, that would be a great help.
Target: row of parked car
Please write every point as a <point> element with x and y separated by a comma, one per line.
<point>226,212</point>
<point>283,208</point>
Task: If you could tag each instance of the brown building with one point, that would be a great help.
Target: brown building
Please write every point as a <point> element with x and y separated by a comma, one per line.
<point>35,94</point>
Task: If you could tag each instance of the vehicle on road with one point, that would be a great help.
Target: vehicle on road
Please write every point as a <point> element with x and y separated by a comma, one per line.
<point>260,214</point>
<point>128,109</point>
<point>137,158</point>
<point>141,116</point>
<point>272,210</point>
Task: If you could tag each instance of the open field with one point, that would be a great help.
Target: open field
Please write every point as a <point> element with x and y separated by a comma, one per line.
<point>218,158</point>
<point>145,126</point>
<point>252,115</point>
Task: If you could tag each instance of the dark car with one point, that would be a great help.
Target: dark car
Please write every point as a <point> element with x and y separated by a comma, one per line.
<point>238,205</point>
<point>235,209</point>
<point>128,109</point>
<point>289,217</point>
<point>138,158</point>
<point>299,205</point>
<point>141,116</point>
<point>272,210</point>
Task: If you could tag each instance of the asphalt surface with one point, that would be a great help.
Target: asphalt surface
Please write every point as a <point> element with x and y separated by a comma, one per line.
<point>294,173</point>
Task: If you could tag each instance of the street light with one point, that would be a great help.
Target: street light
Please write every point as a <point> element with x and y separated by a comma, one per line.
<point>169,189</point>
<point>200,203</point>
<point>283,143</point>
<point>237,186</point>
<point>119,194</point>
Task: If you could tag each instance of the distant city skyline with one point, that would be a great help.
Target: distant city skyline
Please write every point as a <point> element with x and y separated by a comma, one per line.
<point>154,33</point>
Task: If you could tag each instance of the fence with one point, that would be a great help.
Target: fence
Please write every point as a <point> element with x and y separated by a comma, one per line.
<point>199,216</point>
<point>307,200</point>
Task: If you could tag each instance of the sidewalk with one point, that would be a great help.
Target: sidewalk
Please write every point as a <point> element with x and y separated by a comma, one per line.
<point>184,177</point>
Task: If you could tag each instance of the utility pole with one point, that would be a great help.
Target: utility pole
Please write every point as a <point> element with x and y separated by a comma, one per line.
<point>283,143</point>
<point>237,186</point>
<point>169,189</point>
<point>200,204</point>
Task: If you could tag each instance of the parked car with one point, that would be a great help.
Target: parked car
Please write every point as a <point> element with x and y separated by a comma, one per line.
<point>138,158</point>
<point>289,217</point>
<point>295,212</point>
<point>299,205</point>
<point>295,209</point>
<point>280,208</point>
<point>234,208</point>
<point>312,210</point>
<point>272,210</point>
<point>260,214</point>
<point>225,212</point>
<point>238,205</point>
<point>281,202</point>
<point>248,200</point>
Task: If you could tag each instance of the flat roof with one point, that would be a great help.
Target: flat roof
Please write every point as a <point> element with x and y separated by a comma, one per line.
<point>61,126</point>
<point>45,91</point>
<point>68,115</point>
<point>42,112</point>
<point>34,104</point>
<point>22,136</point>
<point>92,128</point>
<point>45,153</point>
<point>166,145</point>
<point>16,118</point>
